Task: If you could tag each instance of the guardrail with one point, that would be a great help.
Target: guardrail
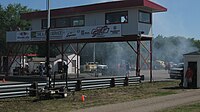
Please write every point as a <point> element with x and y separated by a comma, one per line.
<point>14,90</point>
<point>22,89</point>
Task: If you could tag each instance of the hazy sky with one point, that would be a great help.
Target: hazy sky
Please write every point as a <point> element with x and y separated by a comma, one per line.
<point>181,19</point>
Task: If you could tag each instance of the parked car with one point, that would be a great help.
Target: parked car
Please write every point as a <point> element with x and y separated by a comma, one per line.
<point>102,67</point>
<point>90,66</point>
<point>177,71</point>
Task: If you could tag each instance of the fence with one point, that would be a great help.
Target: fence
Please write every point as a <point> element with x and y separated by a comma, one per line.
<point>22,89</point>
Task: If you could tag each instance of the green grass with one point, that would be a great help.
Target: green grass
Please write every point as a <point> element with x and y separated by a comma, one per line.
<point>195,107</point>
<point>94,98</point>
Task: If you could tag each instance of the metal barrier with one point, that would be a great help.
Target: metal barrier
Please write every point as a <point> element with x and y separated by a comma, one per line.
<point>14,90</point>
<point>11,90</point>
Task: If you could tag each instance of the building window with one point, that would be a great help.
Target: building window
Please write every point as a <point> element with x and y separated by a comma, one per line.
<point>145,17</point>
<point>77,21</point>
<point>117,17</point>
<point>62,22</point>
<point>65,22</point>
<point>44,23</point>
<point>53,23</point>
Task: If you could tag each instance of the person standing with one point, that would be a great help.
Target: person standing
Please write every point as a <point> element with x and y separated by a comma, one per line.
<point>41,69</point>
<point>127,69</point>
<point>182,78</point>
<point>188,76</point>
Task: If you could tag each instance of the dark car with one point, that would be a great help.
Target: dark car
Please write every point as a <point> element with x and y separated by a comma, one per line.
<point>177,71</point>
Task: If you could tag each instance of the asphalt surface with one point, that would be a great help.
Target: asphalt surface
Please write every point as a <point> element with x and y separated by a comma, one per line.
<point>150,104</point>
<point>158,75</point>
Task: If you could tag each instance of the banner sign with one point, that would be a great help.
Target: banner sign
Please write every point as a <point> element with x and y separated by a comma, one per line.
<point>56,34</point>
<point>41,35</point>
<point>93,32</point>
<point>100,31</point>
<point>23,35</point>
<point>38,36</point>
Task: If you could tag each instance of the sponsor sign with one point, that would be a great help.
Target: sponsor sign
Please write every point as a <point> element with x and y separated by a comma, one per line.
<point>100,31</point>
<point>56,34</point>
<point>106,31</point>
<point>38,35</point>
<point>23,35</point>
<point>72,33</point>
<point>41,35</point>
<point>93,32</point>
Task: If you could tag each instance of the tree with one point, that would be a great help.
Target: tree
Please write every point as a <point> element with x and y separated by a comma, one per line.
<point>10,21</point>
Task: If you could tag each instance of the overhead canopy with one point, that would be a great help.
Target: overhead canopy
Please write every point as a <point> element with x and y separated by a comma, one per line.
<point>193,53</point>
<point>154,7</point>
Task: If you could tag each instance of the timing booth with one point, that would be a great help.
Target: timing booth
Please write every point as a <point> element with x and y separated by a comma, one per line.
<point>115,21</point>
<point>192,70</point>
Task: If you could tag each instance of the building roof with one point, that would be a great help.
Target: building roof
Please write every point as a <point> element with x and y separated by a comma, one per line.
<point>193,53</point>
<point>154,7</point>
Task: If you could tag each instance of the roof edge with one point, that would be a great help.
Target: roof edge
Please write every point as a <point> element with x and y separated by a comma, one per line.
<point>155,6</point>
<point>95,7</point>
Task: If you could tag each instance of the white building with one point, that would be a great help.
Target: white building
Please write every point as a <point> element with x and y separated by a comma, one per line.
<point>72,62</point>
<point>34,62</point>
<point>125,18</point>
<point>192,61</point>
<point>56,63</point>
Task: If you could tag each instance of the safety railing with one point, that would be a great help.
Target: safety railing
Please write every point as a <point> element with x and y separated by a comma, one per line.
<point>22,89</point>
<point>14,90</point>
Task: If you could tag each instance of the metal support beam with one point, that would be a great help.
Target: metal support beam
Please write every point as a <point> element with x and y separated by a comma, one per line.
<point>48,57</point>
<point>66,48</point>
<point>75,51</point>
<point>9,51</point>
<point>66,75</point>
<point>144,46</point>
<point>77,70</point>
<point>62,56</point>
<point>151,61</point>
<point>138,58</point>
<point>70,60</point>
<point>12,61</point>
<point>132,47</point>
<point>145,61</point>
<point>48,45</point>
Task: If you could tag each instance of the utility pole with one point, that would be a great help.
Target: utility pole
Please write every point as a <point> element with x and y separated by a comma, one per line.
<point>94,53</point>
<point>48,45</point>
<point>138,53</point>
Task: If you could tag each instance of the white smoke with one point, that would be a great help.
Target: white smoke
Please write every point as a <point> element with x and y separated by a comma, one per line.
<point>172,48</point>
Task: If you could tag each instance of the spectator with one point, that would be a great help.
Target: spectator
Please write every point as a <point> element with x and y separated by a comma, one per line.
<point>41,69</point>
<point>188,76</point>
<point>127,69</point>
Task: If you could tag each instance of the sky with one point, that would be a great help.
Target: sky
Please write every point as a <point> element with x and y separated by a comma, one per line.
<point>181,19</point>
